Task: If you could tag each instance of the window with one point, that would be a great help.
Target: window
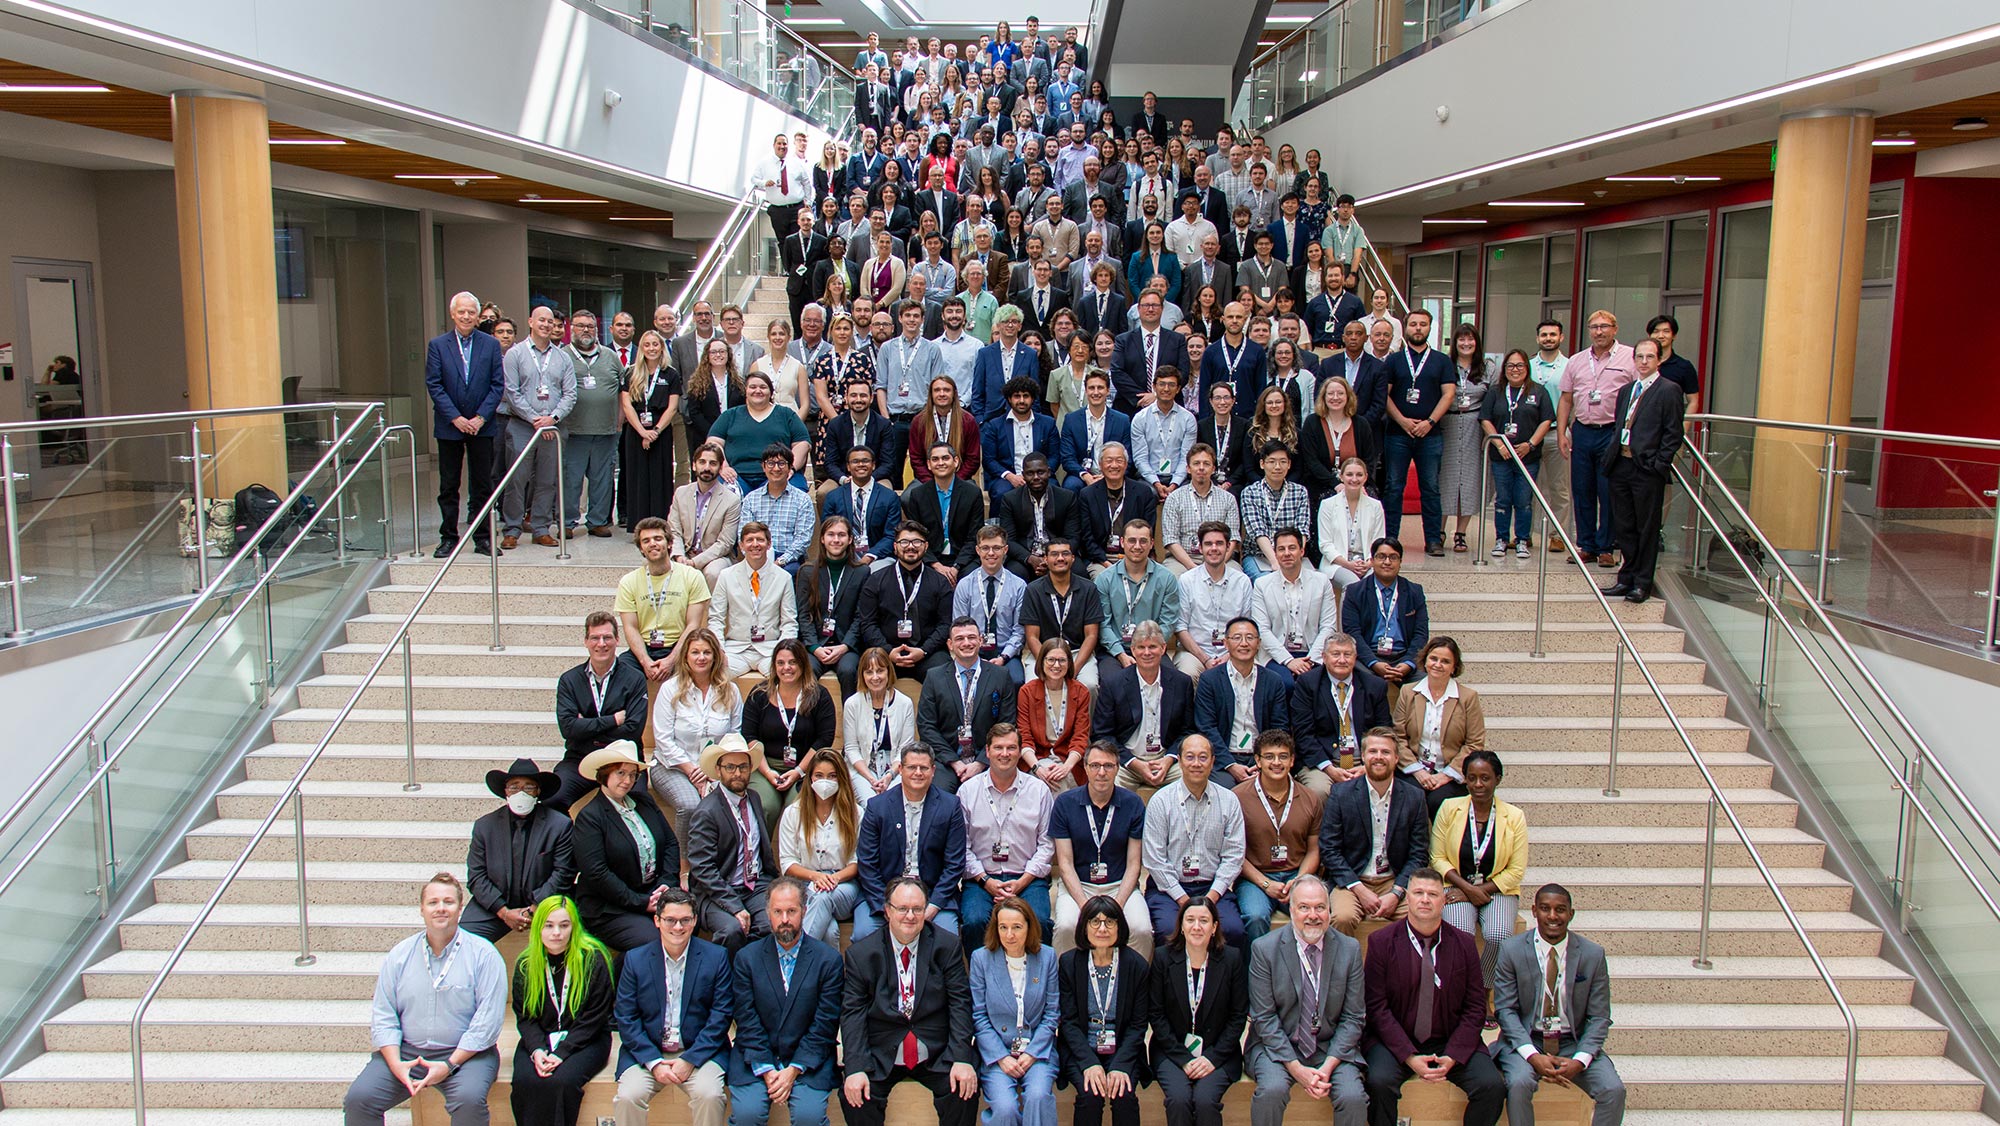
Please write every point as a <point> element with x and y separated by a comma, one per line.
<point>1622,273</point>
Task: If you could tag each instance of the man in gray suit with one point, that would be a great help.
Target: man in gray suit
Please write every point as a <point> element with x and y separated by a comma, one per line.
<point>1306,1013</point>
<point>1552,995</point>
<point>731,859</point>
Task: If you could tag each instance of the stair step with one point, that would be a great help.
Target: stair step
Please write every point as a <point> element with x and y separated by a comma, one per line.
<point>333,976</point>
<point>1516,635</point>
<point>270,927</point>
<point>1679,889</point>
<point>1593,733</point>
<point>1894,1083</point>
<point>330,1115</point>
<point>1665,979</point>
<point>1733,933</point>
<point>543,571</point>
<point>1771,1030</point>
<point>1612,846</point>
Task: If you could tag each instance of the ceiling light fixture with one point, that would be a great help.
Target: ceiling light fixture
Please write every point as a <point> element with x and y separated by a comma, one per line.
<point>1968,125</point>
<point>455,177</point>
<point>540,199</point>
<point>1456,222</point>
<point>307,141</point>
<point>53,88</point>
<point>814,21</point>
<point>1892,142</point>
<point>1537,203</point>
<point>1662,179</point>
<point>641,218</point>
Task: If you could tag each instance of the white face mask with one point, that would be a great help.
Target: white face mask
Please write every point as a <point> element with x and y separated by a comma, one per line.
<point>521,802</point>
<point>826,788</point>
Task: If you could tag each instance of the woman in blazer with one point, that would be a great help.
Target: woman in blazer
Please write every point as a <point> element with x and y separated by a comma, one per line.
<point>563,989</point>
<point>1054,715</point>
<point>876,724</point>
<point>1333,432</point>
<point>1153,258</point>
<point>1480,845</point>
<point>1106,1006</point>
<point>1350,521</point>
<point>1438,722</point>
<point>1200,1003</point>
<point>1014,1013</point>
<point>624,851</point>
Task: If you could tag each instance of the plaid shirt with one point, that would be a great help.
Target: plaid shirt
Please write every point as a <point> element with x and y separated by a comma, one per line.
<point>1262,514</point>
<point>1233,185</point>
<point>789,515</point>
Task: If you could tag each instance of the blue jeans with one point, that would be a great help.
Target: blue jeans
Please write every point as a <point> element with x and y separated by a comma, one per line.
<point>1589,490</point>
<point>1512,497</point>
<point>1255,907</point>
<point>975,906</point>
<point>1167,914</point>
<point>826,910</point>
<point>866,922</point>
<point>592,456</point>
<point>750,1105</point>
<point>1398,451</point>
<point>1027,1101</point>
<point>1253,563</point>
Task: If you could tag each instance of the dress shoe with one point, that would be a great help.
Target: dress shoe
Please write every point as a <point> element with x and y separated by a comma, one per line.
<point>546,540</point>
<point>602,531</point>
<point>575,531</point>
<point>1436,549</point>
<point>444,548</point>
<point>1616,590</point>
<point>1606,559</point>
<point>1638,595</point>
<point>482,549</point>
<point>509,543</point>
<point>1556,547</point>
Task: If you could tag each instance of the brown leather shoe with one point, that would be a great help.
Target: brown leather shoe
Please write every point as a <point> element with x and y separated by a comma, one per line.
<point>1556,547</point>
<point>602,531</point>
<point>545,540</point>
<point>509,543</point>
<point>1607,560</point>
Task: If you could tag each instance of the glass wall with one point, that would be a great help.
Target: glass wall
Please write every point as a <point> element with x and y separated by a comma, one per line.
<point>351,304</point>
<point>568,273</point>
<point>1527,280</point>
<point>1622,273</point>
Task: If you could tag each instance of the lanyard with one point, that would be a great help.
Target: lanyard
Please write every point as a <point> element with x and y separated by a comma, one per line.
<point>1132,596</point>
<point>1105,997</point>
<point>1197,985</point>
<point>450,953</point>
<point>833,589</point>
<point>882,726</point>
<point>465,357</point>
<point>837,364</point>
<point>1389,610</point>
<point>1311,969</point>
<point>1479,844</point>
<point>1513,401</point>
<point>1062,607</point>
<point>1113,511</point>
<point>1021,999</point>
<point>1230,361</point>
<point>597,688</point>
<point>909,593</point>
<point>991,609</point>
<point>1632,409</point>
<point>1277,819</point>
<point>1437,980</point>
<point>555,998</point>
<point>993,808</point>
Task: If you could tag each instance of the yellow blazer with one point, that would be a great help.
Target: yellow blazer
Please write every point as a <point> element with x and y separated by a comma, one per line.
<point>1510,846</point>
<point>1464,727</point>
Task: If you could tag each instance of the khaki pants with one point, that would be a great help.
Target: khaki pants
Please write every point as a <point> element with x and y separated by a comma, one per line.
<point>1066,911</point>
<point>1312,778</point>
<point>1553,480</point>
<point>708,1101</point>
<point>1347,908</point>
<point>1132,780</point>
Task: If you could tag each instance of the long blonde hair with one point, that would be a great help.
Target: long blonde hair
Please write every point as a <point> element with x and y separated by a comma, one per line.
<point>718,674</point>
<point>635,385</point>
<point>846,810</point>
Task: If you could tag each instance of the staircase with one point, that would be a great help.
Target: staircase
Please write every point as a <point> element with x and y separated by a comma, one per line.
<point>1752,1042</point>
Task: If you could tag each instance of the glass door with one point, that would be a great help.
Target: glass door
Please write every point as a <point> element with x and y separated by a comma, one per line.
<point>56,357</point>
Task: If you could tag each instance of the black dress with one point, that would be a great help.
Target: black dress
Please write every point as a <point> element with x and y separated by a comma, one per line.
<point>649,473</point>
<point>584,1049</point>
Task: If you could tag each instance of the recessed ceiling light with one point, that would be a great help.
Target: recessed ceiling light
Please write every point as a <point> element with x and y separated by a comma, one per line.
<point>1968,125</point>
<point>1309,76</point>
<point>539,199</point>
<point>814,21</point>
<point>1457,222</point>
<point>307,141</point>
<point>1662,179</point>
<point>1892,142</point>
<point>1536,203</point>
<point>641,218</point>
<point>456,176</point>
<point>53,88</point>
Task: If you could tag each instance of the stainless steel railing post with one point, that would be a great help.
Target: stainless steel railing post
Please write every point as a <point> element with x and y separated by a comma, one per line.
<point>340,498</point>
<point>388,520</point>
<point>200,508</point>
<point>306,956</point>
<point>100,801</point>
<point>1992,575</point>
<point>493,570</point>
<point>1701,959</point>
<point>562,510</point>
<point>1906,860</point>
<point>1767,654</point>
<point>1480,515</point>
<point>1828,476</point>
<point>15,579</point>
<point>416,515</point>
<point>409,717</point>
<point>1617,716</point>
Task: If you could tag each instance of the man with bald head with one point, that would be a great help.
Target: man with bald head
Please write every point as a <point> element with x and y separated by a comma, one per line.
<point>463,372</point>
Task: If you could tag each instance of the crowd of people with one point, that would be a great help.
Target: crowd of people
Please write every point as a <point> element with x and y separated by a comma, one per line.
<point>1031,609</point>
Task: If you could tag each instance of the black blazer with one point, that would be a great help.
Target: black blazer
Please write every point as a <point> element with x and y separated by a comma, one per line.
<point>1322,476</point>
<point>489,860</point>
<point>871,1025</point>
<point>940,712</point>
<point>1225,1006</point>
<point>1015,513</point>
<point>1360,610</point>
<point>1347,832</point>
<point>1115,715</point>
<point>838,442</point>
<point>584,729</point>
<point>1134,1004</point>
<point>882,606</point>
<point>1023,298</point>
<point>810,731</point>
<point>1313,708</point>
<point>608,883</point>
<point>799,261</point>
<point>948,209</point>
<point>1370,386</point>
<point>1085,308</point>
<point>809,593</point>
<point>589,1027</point>
<point>968,512</point>
<point>1656,428</point>
<point>1095,520</point>
<point>1235,467</point>
<point>715,846</point>
<point>701,411</point>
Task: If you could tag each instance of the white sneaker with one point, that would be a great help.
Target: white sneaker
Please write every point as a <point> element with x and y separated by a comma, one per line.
<point>1499,548</point>
<point>1521,549</point>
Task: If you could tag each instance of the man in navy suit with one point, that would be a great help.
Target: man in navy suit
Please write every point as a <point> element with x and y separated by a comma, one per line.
<point>1331,705</point>
<point>999,364</point>
<point>787,990</point>
<point>672,1013</point>
<point>1366,376</point>
<point>1143,349</point>
<point>1085,433</point>
<point>961,700</point>
<point>999,440</point>
<point>462,371</point>
<point>1387,616</point>
<point>1120,713</point>
<point>890,847</point>
<point>874,512</point>
<point>1215,695</point>
<point>1329,314</point>
<point>1370,882</point>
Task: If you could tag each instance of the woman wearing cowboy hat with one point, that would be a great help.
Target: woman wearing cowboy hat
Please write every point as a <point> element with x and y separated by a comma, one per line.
<point>505,883</point>
<point>625,851</point>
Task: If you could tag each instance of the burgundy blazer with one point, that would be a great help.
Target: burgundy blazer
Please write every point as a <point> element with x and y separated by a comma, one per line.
<point>1389,974</point>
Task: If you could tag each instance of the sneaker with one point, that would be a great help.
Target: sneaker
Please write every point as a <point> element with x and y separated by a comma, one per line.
<point>1522,549</point>
<point>1499,548</point>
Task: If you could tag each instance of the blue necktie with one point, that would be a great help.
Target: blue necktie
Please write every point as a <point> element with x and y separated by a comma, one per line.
<point>787,959</point>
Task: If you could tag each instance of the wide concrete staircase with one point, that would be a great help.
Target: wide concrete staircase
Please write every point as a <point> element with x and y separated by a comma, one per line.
<point>242,1037</point>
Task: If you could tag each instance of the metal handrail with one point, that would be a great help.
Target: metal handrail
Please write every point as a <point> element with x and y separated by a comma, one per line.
<point>86,734</point>
<point>1924,753</point>
<point>401,636</point>
<point>105,422</point>
<point>1905,781</point>
<point>1716,800</point>
<point>698,280</point>
<point>1854,431</point>
<point>1396,298</point>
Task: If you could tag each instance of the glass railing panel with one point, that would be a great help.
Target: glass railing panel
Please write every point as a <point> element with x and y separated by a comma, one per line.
<point>1360,39</point>
<point>1954,925</point>
<point>750,45</point>
<point>46,911</point>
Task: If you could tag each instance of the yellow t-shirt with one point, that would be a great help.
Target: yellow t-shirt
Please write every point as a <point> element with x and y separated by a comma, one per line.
<point>662,601</point>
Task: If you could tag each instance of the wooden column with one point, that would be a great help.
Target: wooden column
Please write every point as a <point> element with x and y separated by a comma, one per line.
<point>1819,210</point>
<point>229,294</point>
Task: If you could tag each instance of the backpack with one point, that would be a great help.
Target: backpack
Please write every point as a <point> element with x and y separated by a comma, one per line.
<point>255,505</point>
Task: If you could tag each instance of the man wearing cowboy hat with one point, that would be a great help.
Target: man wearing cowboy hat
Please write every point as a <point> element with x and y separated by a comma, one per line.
<point>519,854</point>
<point>731,859</point>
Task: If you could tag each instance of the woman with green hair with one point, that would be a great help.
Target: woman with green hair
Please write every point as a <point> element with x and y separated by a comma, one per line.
<point>563,989</point>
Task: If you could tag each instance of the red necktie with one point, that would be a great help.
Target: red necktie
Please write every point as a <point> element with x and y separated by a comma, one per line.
<point>784,179</point>
<point>909,1038</point>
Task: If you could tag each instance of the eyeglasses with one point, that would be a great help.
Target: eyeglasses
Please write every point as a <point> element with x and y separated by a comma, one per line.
<point>917,910</point>
<point>677,921</point>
